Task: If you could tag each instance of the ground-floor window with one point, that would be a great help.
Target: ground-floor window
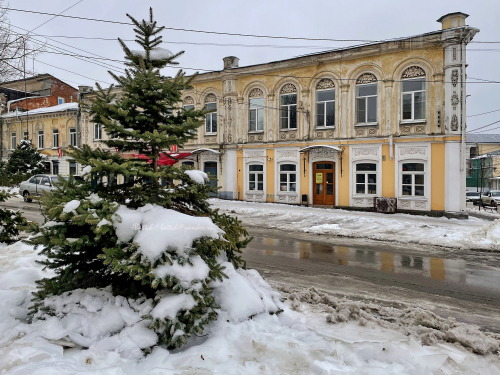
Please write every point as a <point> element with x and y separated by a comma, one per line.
<point>55,167</point>
<point>72,168</point>
<point>288,177</point>
<point>366,178</point>
<point>413,179</point>
<point>256,177</point>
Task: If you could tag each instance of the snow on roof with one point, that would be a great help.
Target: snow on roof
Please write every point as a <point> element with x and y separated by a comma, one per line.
<point>56,108</point>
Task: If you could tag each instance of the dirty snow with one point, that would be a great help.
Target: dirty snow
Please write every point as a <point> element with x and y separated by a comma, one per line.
<point>472,233</point>
<point>97,333</point>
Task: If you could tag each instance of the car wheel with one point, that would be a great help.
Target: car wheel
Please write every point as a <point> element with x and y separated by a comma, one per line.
<point>26,197</point>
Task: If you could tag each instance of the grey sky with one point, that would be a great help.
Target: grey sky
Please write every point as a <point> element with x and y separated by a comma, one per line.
<point>331,19</point>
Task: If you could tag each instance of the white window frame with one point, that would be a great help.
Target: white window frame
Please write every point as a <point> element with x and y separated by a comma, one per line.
<point>97,132</point>
<point>288,109</point>
<point>365,98</point>
<point>324,103</point>
<point>287,183</point>
<point>40,139</point>
<point>60,100</point>
<point>412,99</point>
<point>366,182</point>
<point>13,140</point>
<point>255,174</point>
<point>211,118</point>
<point>256,109</point>
<point>72,137</point>
<point>55,138</point>
<point>412,184</point>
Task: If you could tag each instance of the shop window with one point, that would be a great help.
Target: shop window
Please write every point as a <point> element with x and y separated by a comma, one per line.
<point>256,177</point>
<point>366,178</point>
<point>288,177</point>
<point>413,179</point>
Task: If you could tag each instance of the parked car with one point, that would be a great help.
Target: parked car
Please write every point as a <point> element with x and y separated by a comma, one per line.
<point>491,198</point>
<point>473,196</point>
<point>35,185</point>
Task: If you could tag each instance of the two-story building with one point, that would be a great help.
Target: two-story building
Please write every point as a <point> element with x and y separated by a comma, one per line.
<point>341,127</point>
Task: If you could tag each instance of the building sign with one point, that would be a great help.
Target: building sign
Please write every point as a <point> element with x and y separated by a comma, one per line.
<point>319,178</point>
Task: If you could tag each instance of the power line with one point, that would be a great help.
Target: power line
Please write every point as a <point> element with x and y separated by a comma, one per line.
<point>484,113</point>
<point>56,15</point>
<point>204,31</point>
<point>485,126</point>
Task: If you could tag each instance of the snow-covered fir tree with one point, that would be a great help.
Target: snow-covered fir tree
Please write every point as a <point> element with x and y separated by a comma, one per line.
<point>10,221</point>
<point>25,160</point>
<point>143,229</point>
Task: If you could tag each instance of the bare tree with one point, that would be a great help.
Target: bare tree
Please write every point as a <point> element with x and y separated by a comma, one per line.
<point>12,49</point>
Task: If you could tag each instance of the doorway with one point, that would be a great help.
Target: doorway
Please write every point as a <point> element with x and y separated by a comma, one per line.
<point>210,168</point>
<point>324,183</point>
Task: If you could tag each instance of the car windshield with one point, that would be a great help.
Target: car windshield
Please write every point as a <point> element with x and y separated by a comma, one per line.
<point>495,193</point>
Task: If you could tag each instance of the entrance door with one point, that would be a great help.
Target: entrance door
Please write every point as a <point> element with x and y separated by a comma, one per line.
<point>210,168</point>
<point>324,183</point>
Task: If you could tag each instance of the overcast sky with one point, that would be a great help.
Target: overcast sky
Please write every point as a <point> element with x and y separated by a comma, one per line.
<point>327,19</point>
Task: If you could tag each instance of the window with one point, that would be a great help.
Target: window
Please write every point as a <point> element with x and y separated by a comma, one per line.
<point>188,107</point>
<point>97,132</point>
<point>413,94</point>
<point>188,164</point>
<point>211,118</point>
<point>256,114</point>
<point>55,167</point>
<point>288,107</point>
<point>288,177</point>
<point>366,99</point>
<point>188,103</point>
<point>72,137</point>
<point>26,135</point>
<point>325,103</point>
<point>256,177</point>
<point>60,100</point>
<point>366,178</point>
<point>412,179</point>
<point>40,139</point>
<point>13,140</point>
<point>72,168</point>
<point>55,138</point>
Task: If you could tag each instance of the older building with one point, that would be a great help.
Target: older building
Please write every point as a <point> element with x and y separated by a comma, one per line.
<point>483,162</point>
<point>51,129</point>
<point>341,127</point>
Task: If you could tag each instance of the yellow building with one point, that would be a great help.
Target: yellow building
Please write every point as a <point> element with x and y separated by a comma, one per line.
<point>51,130</point>
<point>342,127</point>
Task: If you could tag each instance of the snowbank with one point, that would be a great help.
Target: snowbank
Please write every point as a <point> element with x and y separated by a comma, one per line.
<point>94,332</point>
<point>472,233</point>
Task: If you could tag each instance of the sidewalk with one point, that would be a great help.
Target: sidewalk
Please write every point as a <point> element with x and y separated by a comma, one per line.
<point>478,233</point>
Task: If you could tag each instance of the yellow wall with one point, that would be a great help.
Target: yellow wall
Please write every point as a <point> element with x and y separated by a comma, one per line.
<point>270,175</point>
<point>388,172</point>
<point>240,194</point>
<point>343,181</point>
<point>437,176</point>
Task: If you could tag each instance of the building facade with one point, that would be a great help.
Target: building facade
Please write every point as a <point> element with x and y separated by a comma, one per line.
<point>483,162</point>
<point>339,128</point>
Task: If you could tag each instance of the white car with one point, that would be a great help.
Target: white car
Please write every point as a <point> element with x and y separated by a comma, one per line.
<point>491,198</point>
<point>35,185</point>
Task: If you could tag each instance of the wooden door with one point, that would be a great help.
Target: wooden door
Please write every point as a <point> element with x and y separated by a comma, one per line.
<point>324,183</point>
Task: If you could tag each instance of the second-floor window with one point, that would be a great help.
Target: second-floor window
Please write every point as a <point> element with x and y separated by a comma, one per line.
<point>72,137</point>
<point>413,94</point>
<point>55,138</point>
<point>97,132</point>
<point>288,107</point>
<point>256,114</point>
<point>211,118</point>
<point>366,99</point>
<point>325,103</point>
<point>13,140</point>
<point>40,139</point>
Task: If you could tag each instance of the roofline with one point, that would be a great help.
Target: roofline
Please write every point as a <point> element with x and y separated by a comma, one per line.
<point>38,76</point>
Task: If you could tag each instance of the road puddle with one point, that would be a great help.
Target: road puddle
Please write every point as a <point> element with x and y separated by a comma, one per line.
<point>457,271</point>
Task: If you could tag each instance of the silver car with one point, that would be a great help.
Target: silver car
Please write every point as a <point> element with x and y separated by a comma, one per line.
<point>34,186</point>
<point>491,198</point>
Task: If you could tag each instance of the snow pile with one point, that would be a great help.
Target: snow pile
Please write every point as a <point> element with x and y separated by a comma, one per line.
<point>199,177</point>
<point>472,233</point>
<point>107,333</point>
<point>155,229</point>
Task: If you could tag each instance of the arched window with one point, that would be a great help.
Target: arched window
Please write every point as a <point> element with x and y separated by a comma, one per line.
<point>325,103</point>
<point>188,103</point>
<point>288,177</point>
<point>413,94</point>
<point>256,110</point>
<point>256,177</point>
<point>366,99</point>
<point>288,107</point>
<point>211,118</point>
